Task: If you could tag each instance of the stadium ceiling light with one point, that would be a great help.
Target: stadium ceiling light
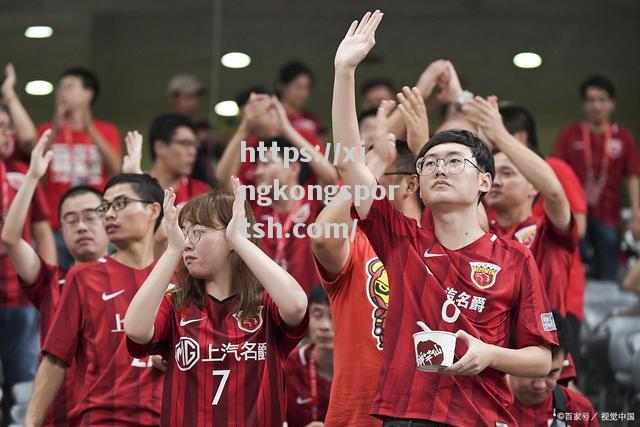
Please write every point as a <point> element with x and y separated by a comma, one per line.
<point>39,87</point>
<point>38,32</point>
<point>527,60</point>
<point>227,109</point>
<point>235,60</point>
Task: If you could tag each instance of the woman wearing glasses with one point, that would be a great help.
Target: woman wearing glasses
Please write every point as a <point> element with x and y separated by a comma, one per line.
<point>225,337</point>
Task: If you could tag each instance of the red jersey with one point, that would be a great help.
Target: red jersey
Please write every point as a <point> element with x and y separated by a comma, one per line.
<point>77,161</point>
<point>358,299</point>
<point>292,253</point>
<point>189,188</point>
<point>620,155</point>
<point>303,406</point>
<point>552,250</point>
<point>451,290</point>
<point>221,370</point>
<point>306,122</point>
<point>575,194</point>
<point>578,411</point>
<point>247,171</point>
<point>110,388</point>
<point>11,178</point>
<point>44,293</point>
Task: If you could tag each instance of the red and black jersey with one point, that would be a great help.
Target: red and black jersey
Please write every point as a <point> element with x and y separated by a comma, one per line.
<point>578,411</point>
<point>44,293</point>
<point>222,370</point>
<point>491,289</point>
<point>87,334</point>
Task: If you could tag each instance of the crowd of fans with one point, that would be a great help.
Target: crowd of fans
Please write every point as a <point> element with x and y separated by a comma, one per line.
<point>139,299</point>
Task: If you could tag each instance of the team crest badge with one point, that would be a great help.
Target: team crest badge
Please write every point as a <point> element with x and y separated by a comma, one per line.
<point>614,148</point>
<point>527,235</point>
<point>249,325</point>
<point>483,274</point>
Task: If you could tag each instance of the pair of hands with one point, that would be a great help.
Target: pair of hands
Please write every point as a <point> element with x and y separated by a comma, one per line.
<point>8,88</point>
<point>234,232</point>
<point>41,155</point>
<point>263,104</point>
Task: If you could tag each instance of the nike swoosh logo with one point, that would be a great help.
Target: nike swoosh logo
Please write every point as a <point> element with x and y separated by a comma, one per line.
<point>301,401</point>
<point>186,322</point>
<point>107,297</point>
<point>428,255</point>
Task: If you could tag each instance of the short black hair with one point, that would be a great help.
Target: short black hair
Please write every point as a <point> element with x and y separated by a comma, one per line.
<point>516,118</point>
<point>318,296</point>
<point>145,186</point>
<point>78,190</point>
<point>564,335</point>
<point>405,159</point>
<point>291,70</point>
<point>371,112</point>
<point>88,78</point>
<point>375,82</point>
<point>164,127</point>
<point>283,143</point>
<point>479,150</point>
<point>243,96</point>
<point>599,82</point>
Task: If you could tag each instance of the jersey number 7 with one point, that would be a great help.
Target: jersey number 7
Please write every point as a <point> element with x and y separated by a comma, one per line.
<point>223,382</point>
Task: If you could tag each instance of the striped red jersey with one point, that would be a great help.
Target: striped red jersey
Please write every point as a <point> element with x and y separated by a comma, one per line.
<point>552,250</point>
<point>490,288</point>
<point>111,387</point>
<point>222,370</point>
<point>44,293</point>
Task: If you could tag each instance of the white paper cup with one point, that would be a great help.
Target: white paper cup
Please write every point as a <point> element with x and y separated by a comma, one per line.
<point>434,349</point>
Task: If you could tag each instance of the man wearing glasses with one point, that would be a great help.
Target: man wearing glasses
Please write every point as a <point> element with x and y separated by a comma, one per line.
<point>173,145</point>
<point>41,282</point>
<point>87,330</point>
<point>455,277</point>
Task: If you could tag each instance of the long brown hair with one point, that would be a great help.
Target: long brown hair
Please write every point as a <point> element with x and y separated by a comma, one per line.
<point>205,210</point>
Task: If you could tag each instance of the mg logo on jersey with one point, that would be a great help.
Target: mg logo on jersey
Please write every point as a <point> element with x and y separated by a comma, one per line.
<point>249,325</point>
<point>527,235</point>
<point>483,274</point>
<point>187,353</point>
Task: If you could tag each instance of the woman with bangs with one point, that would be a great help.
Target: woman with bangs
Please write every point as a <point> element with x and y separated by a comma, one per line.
<point>228,326</point>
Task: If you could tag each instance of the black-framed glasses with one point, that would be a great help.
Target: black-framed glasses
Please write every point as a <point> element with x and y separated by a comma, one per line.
<point>72,219</point>
<point>453,164</point>
<point>194,232</point>
<point>118,204</point>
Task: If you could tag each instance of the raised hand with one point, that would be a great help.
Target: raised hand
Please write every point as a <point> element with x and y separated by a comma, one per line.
<point>133,158</point>
<point>414,113</point>
<point>235,227</point>
<point>449,83</point>
<point>175,238</point>
<point>484,114</point>
<point>358,41</point>
<point>40,157</point>
<point>283,119</point>
<point>9,83</point>
<point>430,77</point>
<point>384,142</point>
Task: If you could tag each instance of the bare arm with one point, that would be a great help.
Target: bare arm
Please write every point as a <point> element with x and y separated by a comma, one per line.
<point>23,256</point>
<point>25,129</point>
<point>581,223</point>
<point>48,380</point>
<point>283,289</point>
<point>333,252</point>
<point>322,169</point>
<point>43,238</point>
<point>486,116</point>
<point>634,200</point>
<point>143,309</point>
<point>229,164</point>
<point>352,50</point>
